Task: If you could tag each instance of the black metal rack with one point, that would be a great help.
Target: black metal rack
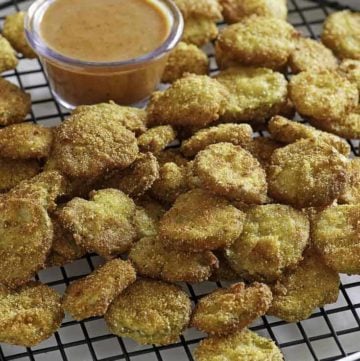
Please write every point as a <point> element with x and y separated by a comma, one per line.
<point>330,334</point>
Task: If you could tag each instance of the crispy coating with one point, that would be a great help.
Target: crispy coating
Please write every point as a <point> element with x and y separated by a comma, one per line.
<point>91,296</point>
<point>288,131</point>
<point>185,58</point>
<point>273,239</point>
<point>29,315</point>
<point>311,55</point>
<point>241,345</point>
<point>15,104</point>
<point>156,139</point>
<point>209,9</point>
<point>195,100</point>
<point>199,31</point>
<point>257,41</point>
<point>308,173</point>
<point>152,259</point>
<point>325,95</point>
<point>227,310</point>
<point>351,193</point>
<point>235,10</point>
<point>199,221</point>
<point>298,292</point>
<point>25,240</point>
<point>341,33</point>
<point>131,118</point>
<point>12,172</point>
<point>351,69</point>
<point>13,30</point>
<point>25,141</point>
<point>256,93</point>
<point>150,312</point>
<point>103,224</point>
<point>335,233</point>
<point>231,171</point>
<point>8,59</point>
<point>224,272</point>
<point>171,155</point>
<point>86,145</point>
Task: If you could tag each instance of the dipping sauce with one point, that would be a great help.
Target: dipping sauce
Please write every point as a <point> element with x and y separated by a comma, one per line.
<point>104,30</point>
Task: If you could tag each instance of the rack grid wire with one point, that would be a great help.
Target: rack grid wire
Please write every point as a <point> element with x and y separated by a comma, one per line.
<point>331,333</point>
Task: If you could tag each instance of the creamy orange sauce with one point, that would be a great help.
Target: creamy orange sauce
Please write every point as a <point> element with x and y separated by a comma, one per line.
<point>104,30</point>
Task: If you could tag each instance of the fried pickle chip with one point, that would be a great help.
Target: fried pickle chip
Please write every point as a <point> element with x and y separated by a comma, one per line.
<point>86,145</point>
<point>185,58</point>
<point>288,131</point>
<point>256,94</point>
<point>325,95</point>
<point>152,259</point>
<point>156,139</point>
<point>199,31</point>
<point>15,104</point>
<point>311,55</point>
<point>351,69</point>
<point>150,312</point>
<point>298,292</point>
<point>8,59</point>
<point>25,240</point>
<point>25,141</point>
<point>131,118</point>
<point>91,296</point>
<point>273,239</point>
<point>103,224</point>
<point>195,100</point>
<point>241,345</point>
<point>29,315</point>
<point>341,33</point>
<point>227,310</point>
<point>335,233</point>
<point>210,9</point>
<point>231,171</point>
<point>199,221</point>
<point>171,155</point>
<point>308,173</point>
<point>351,193</point>
<point>235,10</point>
<point>257,41</point>
<point>13,31</point>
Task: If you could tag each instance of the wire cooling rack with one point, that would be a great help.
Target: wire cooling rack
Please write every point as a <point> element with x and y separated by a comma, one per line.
<point>331,333</point>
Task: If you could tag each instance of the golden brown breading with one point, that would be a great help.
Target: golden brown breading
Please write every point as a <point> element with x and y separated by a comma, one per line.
<point>325,95</point>
<point>298,292</point>
<point>351,69</point>
<point>209,9</point>
<point>256,93</point>
<point>195,100</point>
<point>150,312</point>
<point>335,233</point>
<point>241,345</point>
<point>29,315</point>
<point>235,10</point>
<point>26,235</point>
<point>341,33</point>
<point>131,118</point>
<point>224,272</point>
<point>257,41</point>
<point>103,224</point>
<point>91,296</point>
<point>15,104</point>
<point>273,239</point>
<point>185,58</point>
<point>231,171</point>
<point>227,310</point>
<point>307,173</point>
<point>351,193</point>
<point>199,221</point>
<point>86,145</point>
<point>8,59</point>
<point>171,155</point>
<point>13,30</point>
<point>199,31</point>
<point>152,259</point>
<point>311,55</point>
<point>288,131</point>
<point>12,172</point>
<point>25,141</point>
<point>156,139</point>
<point>237,134</point>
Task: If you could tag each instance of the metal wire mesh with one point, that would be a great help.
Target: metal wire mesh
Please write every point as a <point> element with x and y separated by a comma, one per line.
<point>330,334</point>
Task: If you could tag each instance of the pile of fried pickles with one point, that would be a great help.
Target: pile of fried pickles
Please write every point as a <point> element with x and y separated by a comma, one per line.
<point>186,191</point>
